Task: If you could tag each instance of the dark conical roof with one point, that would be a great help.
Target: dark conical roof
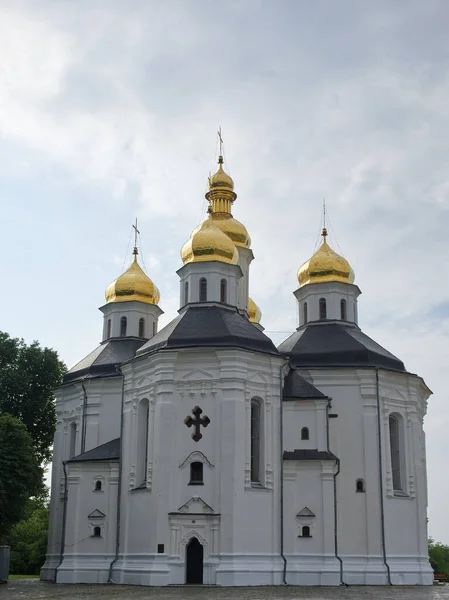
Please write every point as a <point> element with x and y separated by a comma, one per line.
<point>336,344</point>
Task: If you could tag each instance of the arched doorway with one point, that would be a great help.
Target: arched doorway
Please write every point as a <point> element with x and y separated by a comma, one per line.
<point>194,561</point>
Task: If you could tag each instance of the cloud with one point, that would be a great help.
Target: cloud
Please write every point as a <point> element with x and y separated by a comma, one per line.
<point>108,110</point>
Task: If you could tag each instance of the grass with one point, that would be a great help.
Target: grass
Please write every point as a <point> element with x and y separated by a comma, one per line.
<point>23,576</point>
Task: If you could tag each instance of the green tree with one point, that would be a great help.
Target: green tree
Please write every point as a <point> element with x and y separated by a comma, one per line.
<point>28,376</point>
<point>28,538</point>
<point>20,472</point>
<point>439,557</point>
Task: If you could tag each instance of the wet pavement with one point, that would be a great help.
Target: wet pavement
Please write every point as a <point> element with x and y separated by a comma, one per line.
<point>30,589</point>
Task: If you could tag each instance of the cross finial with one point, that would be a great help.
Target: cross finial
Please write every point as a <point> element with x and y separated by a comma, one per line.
<point>220,158</point>
<point>136,232</point>
<point>324,231</point>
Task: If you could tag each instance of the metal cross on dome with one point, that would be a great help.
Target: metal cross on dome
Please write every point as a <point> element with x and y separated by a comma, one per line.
<point>197,422</point>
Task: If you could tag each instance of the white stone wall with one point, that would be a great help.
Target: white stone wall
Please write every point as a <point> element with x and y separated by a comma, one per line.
<point>213,272</point>
<point>226,508</point>
<point>133,311</point>
<point>354,439</point>
<point>334,293</point>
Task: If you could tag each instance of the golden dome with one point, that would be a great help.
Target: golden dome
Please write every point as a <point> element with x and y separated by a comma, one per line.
<point>208,243</point>
<point>221,179</point>
<point>232,228</point>
<point>221,197</point>
<point>324,266</point>
<point>134,284</point>
<point>254,312</point>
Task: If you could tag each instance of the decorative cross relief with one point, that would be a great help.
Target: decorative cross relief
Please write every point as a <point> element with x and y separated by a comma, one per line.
<point>197,422</point>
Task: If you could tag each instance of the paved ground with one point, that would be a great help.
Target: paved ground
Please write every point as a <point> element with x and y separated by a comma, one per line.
<point>35,590</point>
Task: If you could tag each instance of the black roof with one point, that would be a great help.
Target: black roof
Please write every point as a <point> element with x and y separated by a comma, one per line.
<point>296,387</point>
<point>108,451</point>
<point>309,455</point>
<point>210,326</point>
<point>336,344</point>
<point>103,361</point>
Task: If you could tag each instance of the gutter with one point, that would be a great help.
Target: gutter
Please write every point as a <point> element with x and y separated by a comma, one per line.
<point>337,556</point>
<point>119,484</point>
<point>64,519</point>
<point>381,478</point>
<point>281,470</point>
<point>83,428</point>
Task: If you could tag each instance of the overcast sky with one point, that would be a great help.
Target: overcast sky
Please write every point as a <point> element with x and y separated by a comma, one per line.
<point>109,111</point>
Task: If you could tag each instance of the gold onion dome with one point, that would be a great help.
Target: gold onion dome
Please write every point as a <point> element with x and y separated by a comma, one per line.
<point>134,284</point>
<point>325,266</point>
<point>221,196</point>
<point>208,243</point>
<point>254,312</point>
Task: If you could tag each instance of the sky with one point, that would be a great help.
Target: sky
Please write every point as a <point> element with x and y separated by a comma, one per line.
<point>109,112</point>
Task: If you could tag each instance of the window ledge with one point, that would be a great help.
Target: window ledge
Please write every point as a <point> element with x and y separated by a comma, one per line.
<point>196,483</point>
<point>141,488</point>
<point>400,494</point>
<point>254,485</point>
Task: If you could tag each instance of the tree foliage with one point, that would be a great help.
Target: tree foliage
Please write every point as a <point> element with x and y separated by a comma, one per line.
<point>28,539</point>
<point>20,472</point>
<point>28,375</point>
<point>439,557</point>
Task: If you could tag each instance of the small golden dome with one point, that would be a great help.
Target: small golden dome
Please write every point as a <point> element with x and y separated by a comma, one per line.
<point>208,243</point>
<point>134,284</point>
<point>221,179</point>
<point>232,228</point>
<point>324,266</point>
<point>254,312</point>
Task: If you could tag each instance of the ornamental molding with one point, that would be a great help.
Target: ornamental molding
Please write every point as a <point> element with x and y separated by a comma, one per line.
<point>196,456</point>
<point>196,505</point>
<point>96,514</point>
<point>201,387</point>
<point>305,512</point>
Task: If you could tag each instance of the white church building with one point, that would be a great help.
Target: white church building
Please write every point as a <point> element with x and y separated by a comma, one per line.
<point>201,453</point>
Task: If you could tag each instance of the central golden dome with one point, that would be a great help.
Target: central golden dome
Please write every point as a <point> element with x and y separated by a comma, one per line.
<point>208,243</point>
<point>254,312</point>
<point>134,284</point>
<point>325,266</point>
<point>221,196</point>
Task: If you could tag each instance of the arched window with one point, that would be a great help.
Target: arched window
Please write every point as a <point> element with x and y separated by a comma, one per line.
<point>304,310</point>
<point>305,433</point>
<point>72,443</point>
<point>142,327</point>
<point>343,310</point>
<point>395,423</point>
<point>108,334</point>
<point>186,292</point>
<point>97,532</point>
<point>255,440</point>
<point>306,531</point>
<point>143,413</point>
<point>196,473</point>
<point>123,323</point>
<point>203,289</point>
<point>154,329</point>
<point>98,486</point>
<point>360,485</point>
<point>323,309</point>
<point>223,290</point>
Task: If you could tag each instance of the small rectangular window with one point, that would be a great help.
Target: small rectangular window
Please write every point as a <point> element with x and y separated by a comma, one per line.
<point>160,548</point>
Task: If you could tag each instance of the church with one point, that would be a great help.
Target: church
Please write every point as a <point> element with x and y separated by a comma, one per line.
<point>201,453</point>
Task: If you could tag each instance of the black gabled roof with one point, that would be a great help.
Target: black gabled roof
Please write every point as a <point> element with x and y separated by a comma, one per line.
<point>108,451</point>
<point>296,387</point>
<point>210,327</point>
<point>309,455</point>
<point>103,361</point>
<point>336,344</point>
